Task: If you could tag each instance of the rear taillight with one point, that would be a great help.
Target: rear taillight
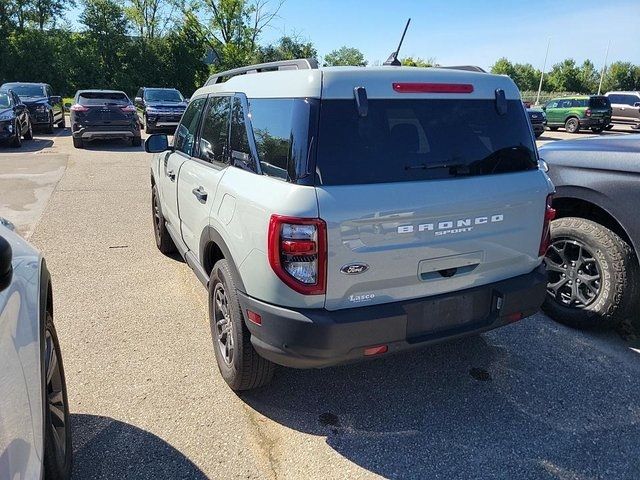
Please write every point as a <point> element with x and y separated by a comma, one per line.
<point>78,108</point>
<point>588,112</point>
<point>298,253</point>
<point>549,214</point>
<point>128,109</point>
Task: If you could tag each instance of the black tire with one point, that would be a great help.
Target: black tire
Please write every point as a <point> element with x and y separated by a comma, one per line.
<point>164,242</point>
<point>136,141</point>
<point>57,449</point>
<point>597,129</point>
<point>553,129</point>
<point>538,134</point>
<point>572,125</point>
<point>147,128</point>
<point>29,134</point>
<point>240,365</point>
<point>49,127</point>
<point>61,123</point>
<point>78,142</point>
<point>601,253</point>
<point>16,141</point>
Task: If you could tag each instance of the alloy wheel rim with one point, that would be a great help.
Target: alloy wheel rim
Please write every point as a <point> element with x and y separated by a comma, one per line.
<point>574,273</point>
<point>55,400</point>
<point>572,125</point>
<point>223,323</point>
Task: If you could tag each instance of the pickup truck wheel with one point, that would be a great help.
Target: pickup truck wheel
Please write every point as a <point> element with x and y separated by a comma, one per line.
<point>572,125</point>
<point>29,134</point>
<point>147,129</point>
<point>57,441</point>
<point>240,365</point>
<point>136,141</point>
<point>164,242</point>
<point>593,275</point>
<point>49,127</point>
<point>78,142</point>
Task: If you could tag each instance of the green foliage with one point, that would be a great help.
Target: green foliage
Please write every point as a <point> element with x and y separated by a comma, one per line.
<point>523,74</point>
<point>287,48</point>
<point>418,62</point>
<point>622,76</point>
<point>345,56</point>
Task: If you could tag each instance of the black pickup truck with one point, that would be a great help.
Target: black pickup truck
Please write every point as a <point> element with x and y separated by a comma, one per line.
<point>594,277</point>
<point>45,108</point>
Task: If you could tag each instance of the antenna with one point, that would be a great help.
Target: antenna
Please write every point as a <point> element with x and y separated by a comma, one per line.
<point>393,58</point>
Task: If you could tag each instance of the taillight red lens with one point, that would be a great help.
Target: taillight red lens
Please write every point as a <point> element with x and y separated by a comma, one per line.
<point>549,214</point>
<point>298,253</point>
<point>78,108</point>
<point>433,87</point>
<point>128,109</point>
<point>588,112</point>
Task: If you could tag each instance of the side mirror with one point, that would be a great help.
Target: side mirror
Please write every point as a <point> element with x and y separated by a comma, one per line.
<point>137,100</point>
<point>55,99</point>
<point>156,143</point>
<point>6,269</point>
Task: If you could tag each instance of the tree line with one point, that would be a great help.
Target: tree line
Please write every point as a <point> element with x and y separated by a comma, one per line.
<point>125,44</point>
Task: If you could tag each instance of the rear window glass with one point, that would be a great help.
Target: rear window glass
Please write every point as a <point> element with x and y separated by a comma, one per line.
<point>413,140</point>
<point>599,102</point>
<point>102,98</point>
<point>27,90</point>
<point>161,95</point>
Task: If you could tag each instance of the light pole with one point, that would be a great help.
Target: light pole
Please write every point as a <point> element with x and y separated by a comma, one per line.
<point>604,67</point>
<point>544,65</point>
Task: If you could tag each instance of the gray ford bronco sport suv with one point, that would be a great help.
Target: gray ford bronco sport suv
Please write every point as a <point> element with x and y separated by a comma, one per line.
<point>339,214</point>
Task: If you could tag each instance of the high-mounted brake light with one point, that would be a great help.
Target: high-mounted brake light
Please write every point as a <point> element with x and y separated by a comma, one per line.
<point>549,214</point>
<point>433,87</point>
<point>78,108</point>
<point>128,109</point>
<point>297,249</point>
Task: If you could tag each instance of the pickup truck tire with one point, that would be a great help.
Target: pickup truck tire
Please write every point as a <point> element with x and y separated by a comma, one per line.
<point>240,365</point>
<point>164,242</point>
<point>572,125</point>
<point>597,129</point>
<point>49,127</point>
<point>136,141</point>
<point>581,249</point>
<point>78,142</point>
<point>147,128</point>
<point>29,134</point>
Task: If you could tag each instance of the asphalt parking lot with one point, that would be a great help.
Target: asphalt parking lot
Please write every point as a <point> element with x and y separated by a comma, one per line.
<point>531,400</point>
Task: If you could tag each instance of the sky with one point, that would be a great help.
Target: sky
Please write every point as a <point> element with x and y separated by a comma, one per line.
<point>470,32</point>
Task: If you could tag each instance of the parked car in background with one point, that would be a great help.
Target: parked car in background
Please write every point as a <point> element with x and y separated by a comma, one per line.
<point>15,122</point>
<point>160,108</point>
<point>35,432</point>
<point>45,108</point>
<point>338,215</point>
<point>103,114</point>
<point>626,108</point>
<point>538,120</point>
<point>592,262</point>
<point>580,112</point>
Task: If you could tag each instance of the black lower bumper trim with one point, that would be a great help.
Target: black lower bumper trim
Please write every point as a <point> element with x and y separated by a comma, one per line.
<point>314,338</point>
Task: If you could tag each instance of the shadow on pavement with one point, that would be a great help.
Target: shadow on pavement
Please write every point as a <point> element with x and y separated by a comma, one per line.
<point>28,146</point>
<point>526,401</point>
<point>107,448</point>
<point>115,145</point>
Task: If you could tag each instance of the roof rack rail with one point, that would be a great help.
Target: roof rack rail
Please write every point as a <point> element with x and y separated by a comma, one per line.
<point>469,68</point>
<point>297,64</point>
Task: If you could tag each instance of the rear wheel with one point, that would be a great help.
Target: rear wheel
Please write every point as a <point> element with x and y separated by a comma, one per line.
<point>572,125</point>
<point>136,141</point>
<point>78,142</point>
<point>593,275</point>
<point>57,443</point>
<point>597,129</point>
<point>49,127</point>
<point>538,134</point>
<point>164,242</point>
<point>240,365</point>
<point>147,128</point>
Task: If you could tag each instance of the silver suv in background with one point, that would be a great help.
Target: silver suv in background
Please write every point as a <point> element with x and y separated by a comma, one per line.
<point>626,108</point>
<point>341,214</point>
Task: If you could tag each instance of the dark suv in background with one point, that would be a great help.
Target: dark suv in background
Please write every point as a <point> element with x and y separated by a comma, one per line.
<point>103,114</point>
<point>45,108</point>
<point>160,108</point>
<point>579,112</point>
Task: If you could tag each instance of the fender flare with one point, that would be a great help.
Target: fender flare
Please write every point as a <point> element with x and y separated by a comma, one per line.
<point>210,235</point>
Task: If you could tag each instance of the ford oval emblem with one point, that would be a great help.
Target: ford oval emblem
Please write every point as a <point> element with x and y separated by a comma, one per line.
<point>354,268</point>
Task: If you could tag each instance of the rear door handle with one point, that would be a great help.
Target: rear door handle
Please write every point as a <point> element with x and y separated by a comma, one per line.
<point>200,194</point>
<point>172,175</point>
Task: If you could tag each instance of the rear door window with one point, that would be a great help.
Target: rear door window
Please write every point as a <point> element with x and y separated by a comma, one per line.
<point>599,102</point>
<point>413,140</point>
<point>186,132</point>
<point>215,130</point>
<point>239,138</point>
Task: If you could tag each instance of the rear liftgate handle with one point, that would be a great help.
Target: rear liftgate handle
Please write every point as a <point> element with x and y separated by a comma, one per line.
<point>200,193</point>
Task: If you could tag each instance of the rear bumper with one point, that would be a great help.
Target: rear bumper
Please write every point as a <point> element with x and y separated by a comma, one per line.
<point>314,338</point>
<point>100,132</point>
<point>594,122</point>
